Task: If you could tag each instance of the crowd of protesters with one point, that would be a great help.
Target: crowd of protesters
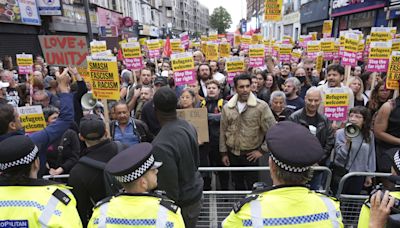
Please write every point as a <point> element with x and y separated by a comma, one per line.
<point>239,116</point>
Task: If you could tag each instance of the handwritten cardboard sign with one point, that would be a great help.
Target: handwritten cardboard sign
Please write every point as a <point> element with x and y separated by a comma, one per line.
<point>64,50</point>
<point>198,118</point>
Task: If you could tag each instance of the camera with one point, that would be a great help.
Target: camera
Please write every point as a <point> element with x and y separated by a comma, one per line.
<point>396,207</point>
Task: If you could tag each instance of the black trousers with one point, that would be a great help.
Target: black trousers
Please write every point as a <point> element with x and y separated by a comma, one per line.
<point>243,180</point>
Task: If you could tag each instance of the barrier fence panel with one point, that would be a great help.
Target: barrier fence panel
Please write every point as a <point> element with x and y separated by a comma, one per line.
<point>350,205</point>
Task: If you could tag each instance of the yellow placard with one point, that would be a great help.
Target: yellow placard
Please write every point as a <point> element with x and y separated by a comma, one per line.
<point>32,118</point>
<point>361,46</point>
<point>256,52</point>
<point>296,54</point>
<point>285,50</point>
<point>379,53</point>
<point>381,36</point>
<point>350,45</point>
<point>313,35</point>
<point>393,75</point>
<point>237,40</point>
<point>213,37</point>
<point>23,61</point>
<point>176,46</point>
<point>273,10</point>
<point>256,38</point>
<point>203,47</point>
<point>336,99</point>
<point>142,41</point>
<point>204,38</point>
<point>396,45</point>
<point>224,49</point>
<point>319,63</point>
<point>327,27</point>
<point>83,72</point>
<point>313,47</point>
<point>131,51</point>
<point>327,46</point>
<point>245,39</point>
<point>235,66</point>
<point>105,78</point>
<point>97,46</point>
<point>212,51</point>
<point>180,64</point>
<point>153,45</point>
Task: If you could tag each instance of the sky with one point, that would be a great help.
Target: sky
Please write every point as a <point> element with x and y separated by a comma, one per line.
<point>236,8</point>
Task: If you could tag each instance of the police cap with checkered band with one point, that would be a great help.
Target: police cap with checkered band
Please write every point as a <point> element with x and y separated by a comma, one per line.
<point>16,151</point>
<point>132,163</point>
<point>293,147</point>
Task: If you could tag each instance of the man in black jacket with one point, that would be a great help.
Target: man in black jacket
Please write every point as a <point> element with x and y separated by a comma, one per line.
<point>177,148</point>
<point>88,182</point>
<point>319,126</point>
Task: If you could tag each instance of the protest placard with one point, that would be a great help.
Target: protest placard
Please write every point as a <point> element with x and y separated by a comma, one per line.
<point>304,39</point>
<point>285,53</point>
<point>199,119</point>
<point>142,41</point>
<point>104,76</point>
<point>98,46</point>
<point>319,62</point>
<point>245,42</point>
<point>336,104</point>
<point>396,45</point>
<point>296,55</point>
<point>183,67</point>
<point>213,37</point>
<point>132,54</point>
<point>273,10</point>
<point>381,34</point>
<point>234,66</point>
<point>25,63</point>
<point>393,74</point>
<point>83,72</point>
<point>256,55</point>
<point>327,28</point>
<point>176,46</point>
<point>360,52</point>
<point>313,48</point>
<point>230,38</point>
<point>64,50</point>
<point>350,49</point>
<point>184,40</point>
<point>32,118</point>
<point>256,38</point>
<point>212,51</point>
<point>203,47</point>
<point>153,46</point>
<point>379,55</point>
<point>237,40</point>
<point>224,49</point>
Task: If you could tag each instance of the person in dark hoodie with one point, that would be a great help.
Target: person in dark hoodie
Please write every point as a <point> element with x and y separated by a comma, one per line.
<point>10,123</point>
<point>177,148</point>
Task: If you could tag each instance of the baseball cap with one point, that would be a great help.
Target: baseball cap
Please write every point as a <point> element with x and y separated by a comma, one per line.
<point>160,80</point>
<point>165,100</point>
<point>92,127</point>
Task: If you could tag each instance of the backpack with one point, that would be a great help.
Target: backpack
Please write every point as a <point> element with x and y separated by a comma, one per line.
<point>111,185</point>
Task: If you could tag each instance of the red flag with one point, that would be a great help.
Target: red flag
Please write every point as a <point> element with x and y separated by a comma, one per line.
<point>167,48</point>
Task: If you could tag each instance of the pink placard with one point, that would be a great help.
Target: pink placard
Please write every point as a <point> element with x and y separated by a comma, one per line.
<point>230,37</point>
<point>377,65</point>
<point>338,113</point>
<point>154,53</point>
<point>232,75</point>
<point>312,55</point>
<point>285,58</point>
<point>256,62</point>
<point>185,41</point>
<point>184,77</point>
<point>275,52</point>
<point>134,63</point>
<point>25,69</point>
<point>349,58</point>
<point>328,55</point>
<point>244,47</point>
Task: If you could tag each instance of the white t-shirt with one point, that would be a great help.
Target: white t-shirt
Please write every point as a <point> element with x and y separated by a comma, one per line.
<point>203,87</point>
<point>241,106</point>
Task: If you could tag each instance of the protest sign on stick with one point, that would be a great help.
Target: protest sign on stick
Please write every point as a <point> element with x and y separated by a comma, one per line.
<point>234,66</point>
<point>104,76</point>
<point>25,63</point>
<point>183,67</point>
<point>32,118</point>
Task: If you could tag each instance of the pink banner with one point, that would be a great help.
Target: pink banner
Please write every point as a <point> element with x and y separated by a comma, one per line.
<point>134,63</point>
<point>338,113</point>
<point>25,69</point>
<point>349,58</point>
<point>328,55</point>
<point>285,58</point>
<point>256,62</point>
<point>184,77</point>
<point>377,65</point>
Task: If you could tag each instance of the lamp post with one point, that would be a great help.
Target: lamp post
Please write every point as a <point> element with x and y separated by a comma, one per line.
<point>88,23</point>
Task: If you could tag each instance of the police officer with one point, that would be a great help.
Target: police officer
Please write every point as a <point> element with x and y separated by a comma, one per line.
<point>26,201</point>
<point>136,170</point>
<point>289,203</point>
<point>378,201</point>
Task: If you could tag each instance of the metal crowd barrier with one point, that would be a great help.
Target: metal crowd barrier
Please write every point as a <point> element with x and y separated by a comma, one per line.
<point>350,205</point>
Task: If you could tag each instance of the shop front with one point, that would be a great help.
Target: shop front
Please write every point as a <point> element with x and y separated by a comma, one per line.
<point>312,16</point>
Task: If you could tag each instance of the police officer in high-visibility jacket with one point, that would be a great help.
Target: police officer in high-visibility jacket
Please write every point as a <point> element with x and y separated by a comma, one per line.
<point>26,201</point>
<point>288,203</point>
<point>136,169</point>
<point>364,219</point>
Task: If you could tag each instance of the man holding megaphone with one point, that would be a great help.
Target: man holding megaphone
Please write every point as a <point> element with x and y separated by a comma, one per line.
<point>354,151</point>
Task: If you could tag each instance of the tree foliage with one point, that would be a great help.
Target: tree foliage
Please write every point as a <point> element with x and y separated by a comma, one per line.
<point>220,20</point>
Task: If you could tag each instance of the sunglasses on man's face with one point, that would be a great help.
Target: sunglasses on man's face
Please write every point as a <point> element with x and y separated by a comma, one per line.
<point>309,69</point>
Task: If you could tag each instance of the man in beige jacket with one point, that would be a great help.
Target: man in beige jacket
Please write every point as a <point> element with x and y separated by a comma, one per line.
<point>244,122</point>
